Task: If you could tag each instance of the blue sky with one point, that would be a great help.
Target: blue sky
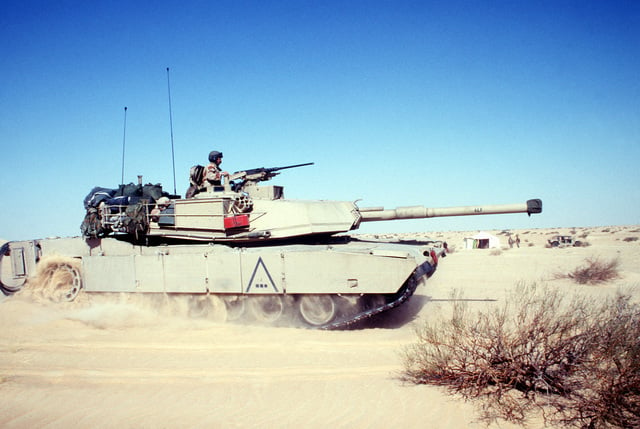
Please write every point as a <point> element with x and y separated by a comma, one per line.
<point>397,103</point>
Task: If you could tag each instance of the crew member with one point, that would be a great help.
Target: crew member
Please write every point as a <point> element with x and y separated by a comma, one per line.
<point>201,178</point>
<point>213,174</point>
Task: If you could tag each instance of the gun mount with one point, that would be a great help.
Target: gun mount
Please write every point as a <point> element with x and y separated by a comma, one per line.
<point>244,243</point>
<point>246,181</point>
<point>262,174</point>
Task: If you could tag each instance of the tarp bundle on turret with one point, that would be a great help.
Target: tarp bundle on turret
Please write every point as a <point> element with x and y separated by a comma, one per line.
<point>130,202</point>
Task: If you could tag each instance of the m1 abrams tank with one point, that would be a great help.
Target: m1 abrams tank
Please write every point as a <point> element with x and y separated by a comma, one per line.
<point>268,258</point>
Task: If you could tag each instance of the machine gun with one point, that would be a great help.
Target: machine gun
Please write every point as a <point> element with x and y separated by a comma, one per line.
<point>255,175</point>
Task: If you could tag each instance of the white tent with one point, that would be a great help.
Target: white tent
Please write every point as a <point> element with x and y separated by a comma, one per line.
<point>481,240</point>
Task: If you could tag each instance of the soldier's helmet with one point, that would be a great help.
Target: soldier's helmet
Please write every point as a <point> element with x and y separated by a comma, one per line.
<point>214,155</point>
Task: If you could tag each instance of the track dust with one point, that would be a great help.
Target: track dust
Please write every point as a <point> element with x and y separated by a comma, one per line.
<point>55,278</point>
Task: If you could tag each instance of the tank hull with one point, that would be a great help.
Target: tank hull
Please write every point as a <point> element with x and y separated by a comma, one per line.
<point>344,270</point>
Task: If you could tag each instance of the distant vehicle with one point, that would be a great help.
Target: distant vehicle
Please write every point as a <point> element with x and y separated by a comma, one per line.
<point>563,241</point>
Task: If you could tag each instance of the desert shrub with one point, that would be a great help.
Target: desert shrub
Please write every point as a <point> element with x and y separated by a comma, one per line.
<point>595,271</point>
<point>575,359</point>
<point>607,391</point>
<point>630,239</point>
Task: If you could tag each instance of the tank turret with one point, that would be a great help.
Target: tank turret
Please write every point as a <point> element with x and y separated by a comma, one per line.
<point>242,211</point>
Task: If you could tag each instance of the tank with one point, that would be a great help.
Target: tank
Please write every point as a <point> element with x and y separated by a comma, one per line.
<point>267,258</point>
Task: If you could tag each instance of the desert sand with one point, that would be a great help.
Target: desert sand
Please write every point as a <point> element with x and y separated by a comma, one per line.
<point>127,363</point>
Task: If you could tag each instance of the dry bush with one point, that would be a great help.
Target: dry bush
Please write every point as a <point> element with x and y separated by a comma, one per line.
<point>595,271</point>
<point>576,360</point>
<point>607,392</point>
<point>630,239</point>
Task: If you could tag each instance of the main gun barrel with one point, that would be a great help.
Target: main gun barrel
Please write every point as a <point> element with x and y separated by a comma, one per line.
<point>419,212</point>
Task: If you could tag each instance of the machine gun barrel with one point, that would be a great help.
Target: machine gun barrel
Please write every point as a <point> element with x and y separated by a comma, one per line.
<point>289,166</point>
<point>273,169</point>
<point>418,212</point>
<point>260,174</point>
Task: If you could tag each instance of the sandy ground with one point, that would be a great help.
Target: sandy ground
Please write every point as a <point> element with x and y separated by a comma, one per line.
<point>125,363</point>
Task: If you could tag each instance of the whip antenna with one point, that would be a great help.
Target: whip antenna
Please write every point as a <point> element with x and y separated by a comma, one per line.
<point>173,159</point>
<point>124,136</point>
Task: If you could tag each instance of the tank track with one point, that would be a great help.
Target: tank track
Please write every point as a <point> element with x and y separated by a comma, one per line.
<point>399,298</point>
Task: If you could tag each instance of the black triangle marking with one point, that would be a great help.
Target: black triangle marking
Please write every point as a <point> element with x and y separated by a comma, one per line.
<point>261,281</point>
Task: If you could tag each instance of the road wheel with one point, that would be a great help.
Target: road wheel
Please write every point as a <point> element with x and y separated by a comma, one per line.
<point>60,281</point>
<point>235,307</point>
<point>317,310</point>
<point>206,306</point>
<point>267,308</point>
